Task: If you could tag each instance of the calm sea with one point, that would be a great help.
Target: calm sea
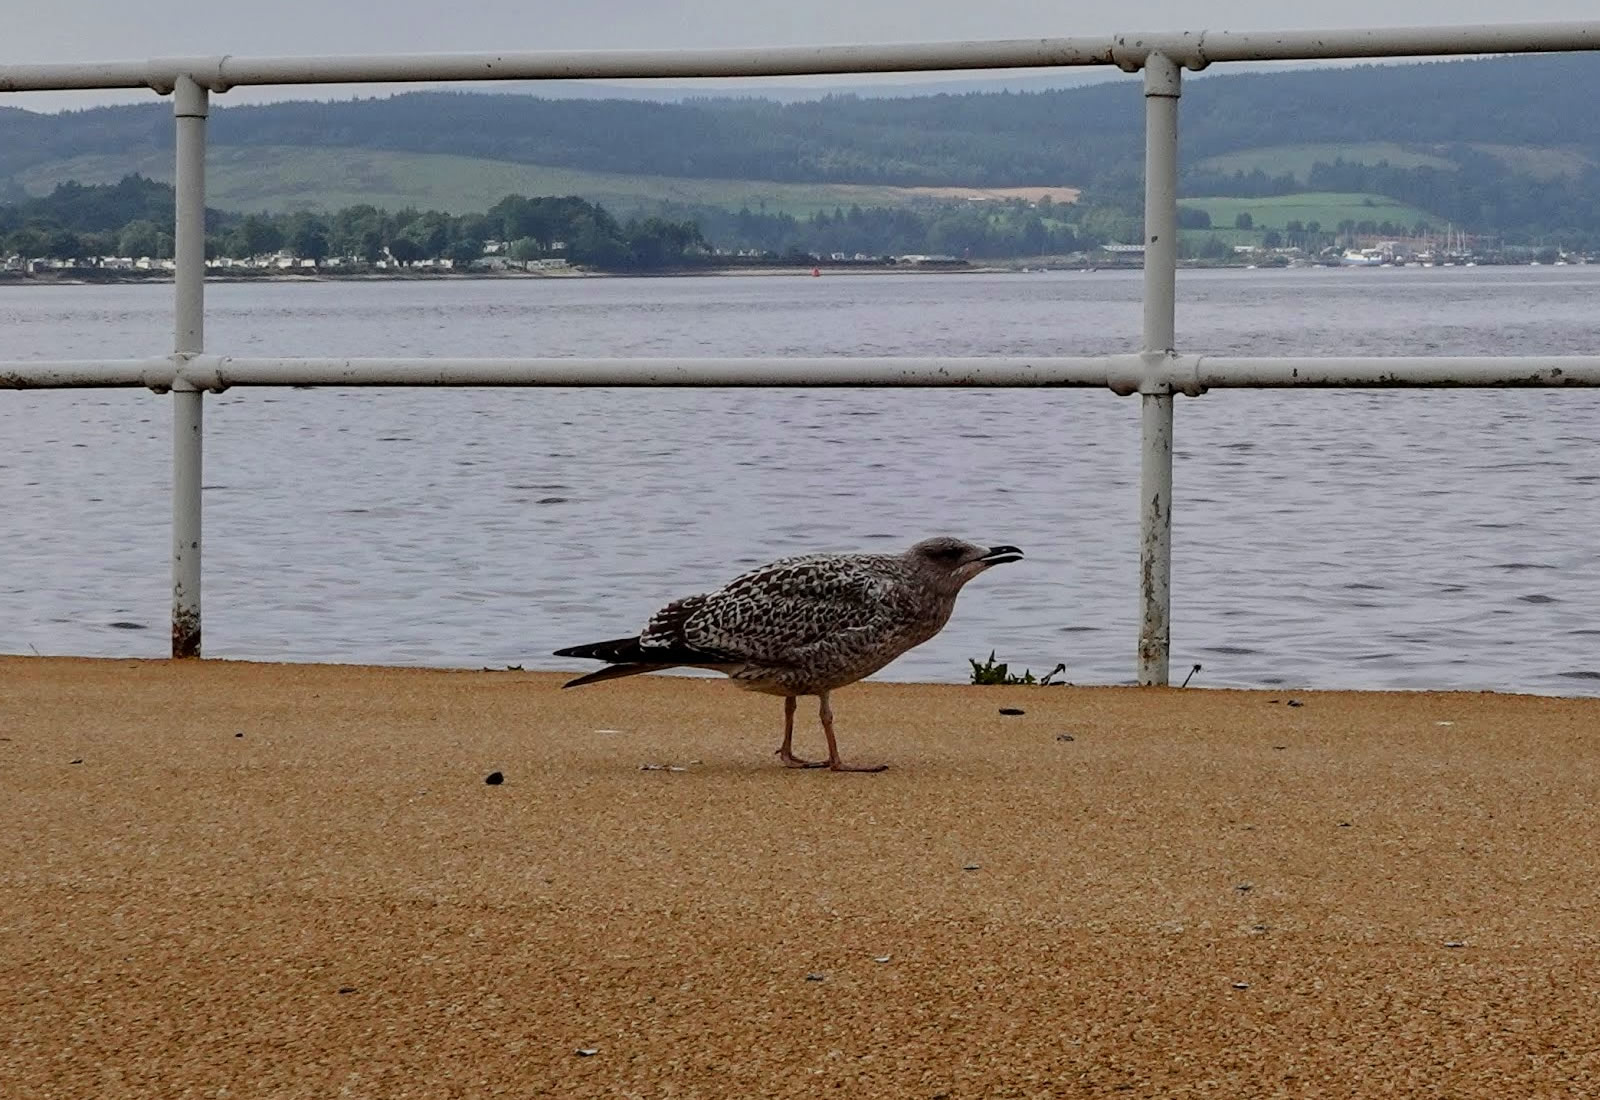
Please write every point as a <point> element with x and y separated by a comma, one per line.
<point>1330,539</point>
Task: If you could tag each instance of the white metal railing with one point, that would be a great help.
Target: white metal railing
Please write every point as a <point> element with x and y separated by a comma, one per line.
<point>1156,372</point>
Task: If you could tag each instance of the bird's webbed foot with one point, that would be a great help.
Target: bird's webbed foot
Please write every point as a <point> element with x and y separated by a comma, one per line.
<point>841,766</point>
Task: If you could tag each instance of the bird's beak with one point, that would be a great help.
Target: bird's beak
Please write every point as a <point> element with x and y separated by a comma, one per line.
<point>999,555</point>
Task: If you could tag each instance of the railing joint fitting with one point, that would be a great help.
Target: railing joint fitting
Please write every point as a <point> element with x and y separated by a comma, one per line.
<point>1155,374</point>
<point>1183,373</point>
<point>189,80</point>
<point>1163,76</point>
<point>1124,373</point>
<point>195,373</point>
<point>1130,59</point>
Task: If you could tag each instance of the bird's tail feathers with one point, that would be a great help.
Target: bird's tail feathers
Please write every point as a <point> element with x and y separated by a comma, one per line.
<point>617,651</point>
<point>612,672</point>
<point>628,658</point>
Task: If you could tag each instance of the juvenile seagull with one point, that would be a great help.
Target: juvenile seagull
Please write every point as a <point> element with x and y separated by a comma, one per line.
<point>805,626</point>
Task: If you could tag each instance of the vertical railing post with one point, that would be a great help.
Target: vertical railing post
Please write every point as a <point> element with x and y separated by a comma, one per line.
<point>1162,86</point>
<point>190,105</point>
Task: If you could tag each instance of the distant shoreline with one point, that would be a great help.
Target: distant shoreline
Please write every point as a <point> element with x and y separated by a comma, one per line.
<point>103,277</point>
<point>98,277</point>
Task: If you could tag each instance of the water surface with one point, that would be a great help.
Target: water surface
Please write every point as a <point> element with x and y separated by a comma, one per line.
<point>1332,539</point>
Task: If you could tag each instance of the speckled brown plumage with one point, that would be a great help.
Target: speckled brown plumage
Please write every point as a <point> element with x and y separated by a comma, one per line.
<point>804,625</point>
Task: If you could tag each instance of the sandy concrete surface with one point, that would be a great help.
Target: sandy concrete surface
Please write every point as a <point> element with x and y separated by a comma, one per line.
<point>222,879</point>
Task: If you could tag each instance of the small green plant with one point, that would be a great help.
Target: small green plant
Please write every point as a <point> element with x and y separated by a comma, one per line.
<point>991,673</point>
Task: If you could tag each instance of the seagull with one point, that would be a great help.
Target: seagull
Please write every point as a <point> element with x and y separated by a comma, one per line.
<point>804,626</point>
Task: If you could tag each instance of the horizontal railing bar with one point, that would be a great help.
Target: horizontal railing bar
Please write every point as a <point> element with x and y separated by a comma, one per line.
<point>1199,50</point>
<point>883,371</point>
<point>1368,372</point>
<point>40,374</point>
<point>211,372</point>
<point>1190,374</point>
<point>221,73</point>
<point>1195,49</point>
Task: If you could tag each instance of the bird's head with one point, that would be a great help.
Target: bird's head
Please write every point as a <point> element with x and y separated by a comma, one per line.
<point>951,563</point>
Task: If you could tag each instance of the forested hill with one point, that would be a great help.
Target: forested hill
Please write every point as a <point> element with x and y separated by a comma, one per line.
<point>1087,136</point>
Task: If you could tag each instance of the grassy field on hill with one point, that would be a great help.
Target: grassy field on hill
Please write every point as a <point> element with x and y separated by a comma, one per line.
<point>1328,208</point>
<point>1539,162</point>
<point>282,179</point>
<point>1297,159</point>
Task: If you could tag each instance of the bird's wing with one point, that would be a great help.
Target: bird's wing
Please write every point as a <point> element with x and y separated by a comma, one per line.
<point>770,613</point>
<point>666,637</point>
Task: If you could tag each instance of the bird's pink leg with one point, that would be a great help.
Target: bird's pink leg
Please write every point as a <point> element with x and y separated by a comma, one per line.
<point>834,763</point>
<point>790,760</point>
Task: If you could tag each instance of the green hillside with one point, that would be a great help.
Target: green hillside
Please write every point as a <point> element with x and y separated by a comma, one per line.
<point>1297,160</point>
<point>284,179</point>
<point>1498,146</point>
<point>1325,207</point>
<point>1534,161</point>
<point>1539,162</point>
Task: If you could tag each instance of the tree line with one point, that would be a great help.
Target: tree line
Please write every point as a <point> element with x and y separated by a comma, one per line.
<point>134,218</point>
<point>963,230</point>
<point>1480,191</point>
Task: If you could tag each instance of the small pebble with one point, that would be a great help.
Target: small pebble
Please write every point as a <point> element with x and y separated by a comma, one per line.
<point>1241,985</point>
<point>970,867</point>
<point>815,977</point>
<point>587,1052</point>
<point>494,779</point>
<point>1065,737</point>
<point>880,958</point>
<point>347,989</point>
<point>1244,887</point>
<point>1296,703</point>
<point>239,734</point>
<point>1012,710</point>
<point>1280,748</point>
<point>77,761</point>
<point>1344,824</point>
<point>1455,943</point>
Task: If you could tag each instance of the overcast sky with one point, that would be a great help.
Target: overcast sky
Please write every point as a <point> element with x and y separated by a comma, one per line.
<point>101,30</point>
